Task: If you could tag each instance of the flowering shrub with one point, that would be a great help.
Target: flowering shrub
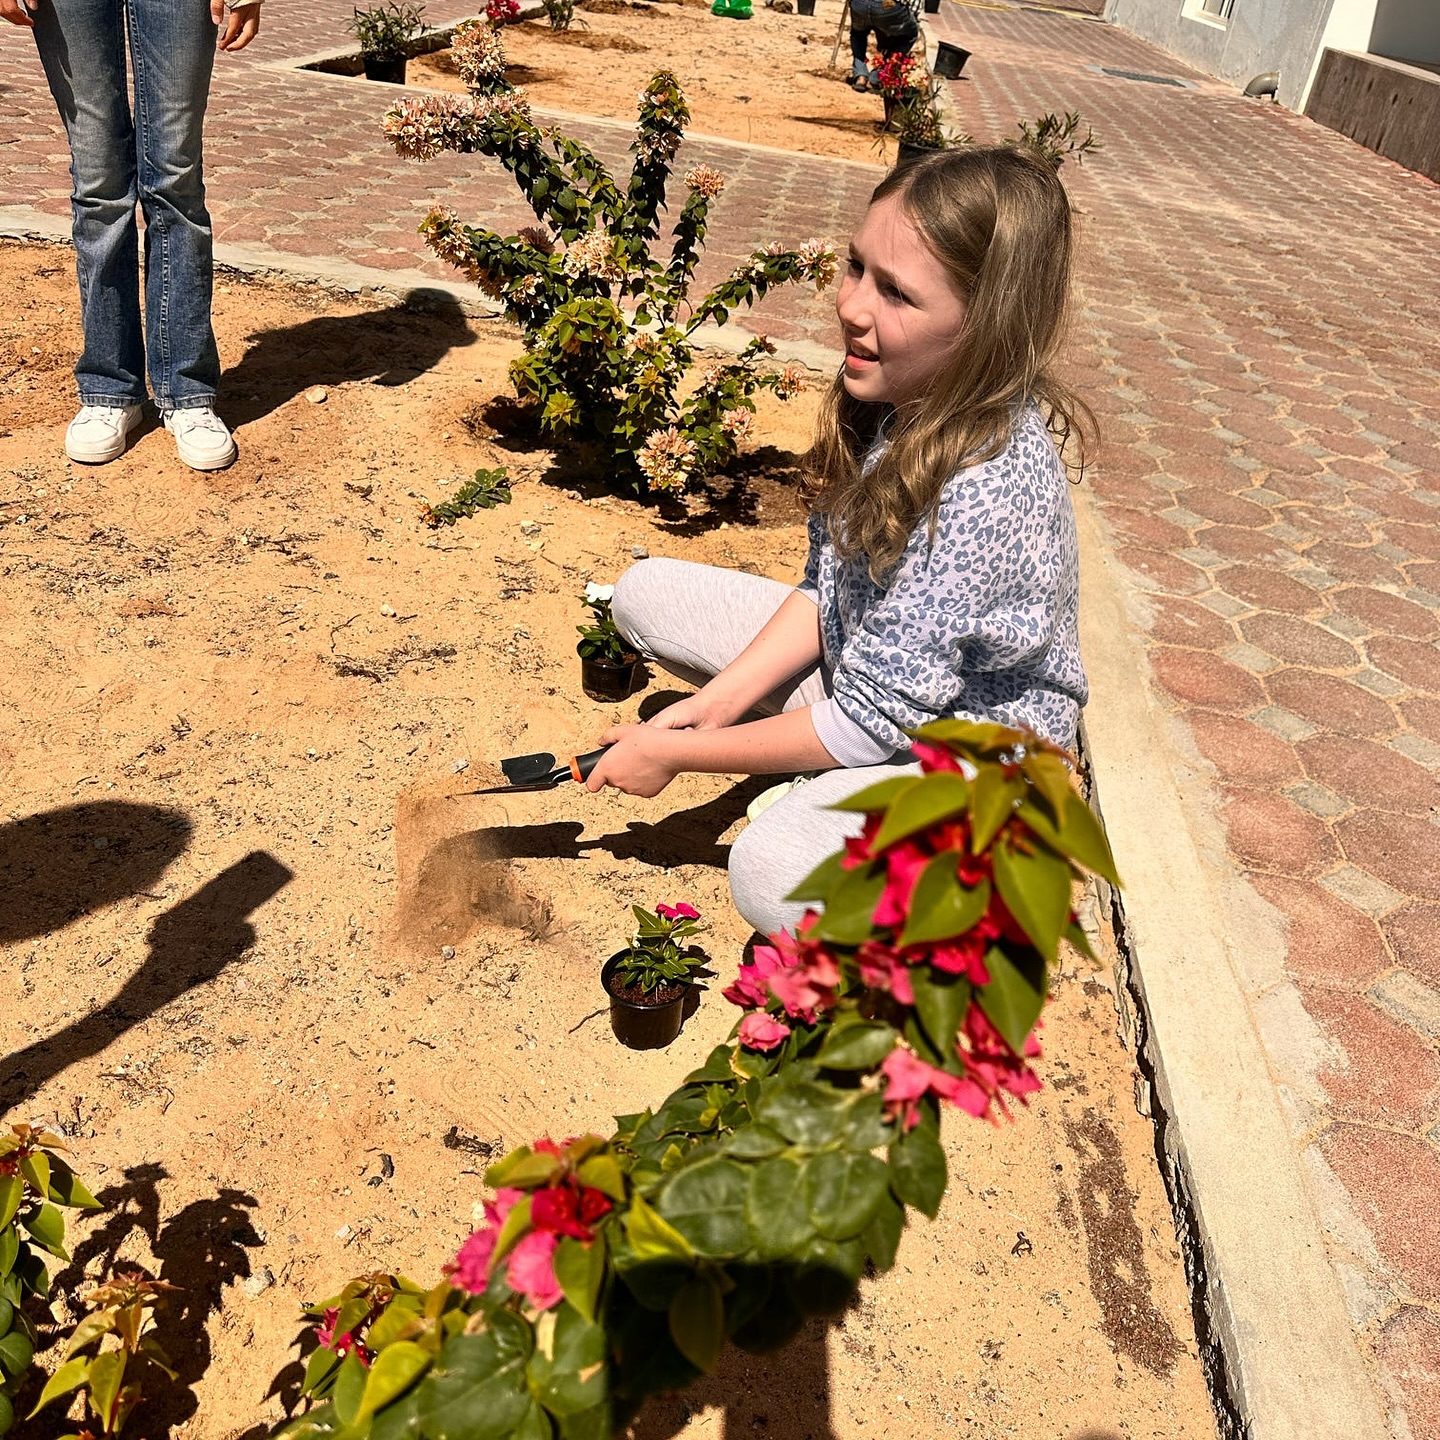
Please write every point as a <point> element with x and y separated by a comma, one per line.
<point>604,1271</point>
<point>608,327</point>
<point>501,12</point>
<point>36,1187</point>
<point>659,953</point>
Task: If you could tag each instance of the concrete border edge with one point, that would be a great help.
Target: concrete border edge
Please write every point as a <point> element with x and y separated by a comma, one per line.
<point>1284,1361</point>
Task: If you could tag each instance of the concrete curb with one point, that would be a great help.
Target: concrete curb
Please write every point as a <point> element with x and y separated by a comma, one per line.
<point>1282,1354</point>
<point>410,288</point>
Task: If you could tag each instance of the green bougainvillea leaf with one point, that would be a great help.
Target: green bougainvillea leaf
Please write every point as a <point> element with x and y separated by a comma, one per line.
<point>775,1208</point>
<point>861,1045</point>
<point>917,1169</point>
<point>1036,890</point>
<point>843,1190</point>
<point>934,797</point>
<point>697,1322</point>
<point>940,906</point>
<point>705,1202</point>
<point>567,1372</point>
<point>1015,996</point>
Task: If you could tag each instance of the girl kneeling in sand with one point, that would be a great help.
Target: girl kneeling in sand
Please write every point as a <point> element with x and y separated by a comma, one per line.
<point>942,574</point>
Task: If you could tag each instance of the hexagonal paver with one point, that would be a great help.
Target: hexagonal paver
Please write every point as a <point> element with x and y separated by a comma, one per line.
<point>1268,832</point>
<point>1326,939</point>
<point>1331,703</point>
<point>1400,849</point>
<point>1370,774</point>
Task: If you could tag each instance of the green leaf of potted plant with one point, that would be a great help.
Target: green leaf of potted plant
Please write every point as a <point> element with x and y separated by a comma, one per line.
<point>648,981</point>
<point>607,663</point>
<point>384,32</point>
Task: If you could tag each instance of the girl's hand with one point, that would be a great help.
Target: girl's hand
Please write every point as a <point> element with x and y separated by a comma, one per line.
<point>639,760</point>
<point>15,12</point>
<point>694,712</point>
<point>237,28</point>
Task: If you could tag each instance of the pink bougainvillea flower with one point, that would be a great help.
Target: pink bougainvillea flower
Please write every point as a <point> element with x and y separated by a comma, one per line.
<point>934,757</point>
<point>965,954</point>
<point>759,1031</point>
<point>569,1209</point>
<point>748,989</point>
<point>903,864</point>
<point>470,1269</point>
<point>882,968</point>
<point>806,988</point>
<point>531,1269</point>
<point>908,1079</point>
<point>345,1344</point>
<point>993,1065</point>
<point>679,911</point>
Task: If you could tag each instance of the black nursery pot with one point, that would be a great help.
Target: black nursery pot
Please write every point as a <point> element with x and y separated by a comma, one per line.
<point>932,7</point>
<point>604,679</point>
<point>804,7</point>
<point>908,152</point>
<point>950,60</point>
<point>387,72</point>
<point>637,1025</point>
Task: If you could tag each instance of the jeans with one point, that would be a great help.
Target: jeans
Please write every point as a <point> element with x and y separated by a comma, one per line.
<point>693,620</point>
<point>153,157</point>
<point>895,27</point>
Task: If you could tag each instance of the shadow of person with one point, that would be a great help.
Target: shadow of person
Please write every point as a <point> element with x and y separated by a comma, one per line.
<point>390,347</point>
<point>58,865</point>
<point>189,944</point>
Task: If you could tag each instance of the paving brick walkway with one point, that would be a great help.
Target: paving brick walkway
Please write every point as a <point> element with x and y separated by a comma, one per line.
<point>1258,331</point>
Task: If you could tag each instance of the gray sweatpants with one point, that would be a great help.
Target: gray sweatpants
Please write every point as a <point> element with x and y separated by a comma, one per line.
<point>693,620</point>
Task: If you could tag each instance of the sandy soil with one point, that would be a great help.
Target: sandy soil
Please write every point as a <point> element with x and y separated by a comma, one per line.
<point>253,946</point>
<point>766,80</point>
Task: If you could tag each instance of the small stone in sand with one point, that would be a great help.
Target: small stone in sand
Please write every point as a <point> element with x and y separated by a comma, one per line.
<point>317,394</point>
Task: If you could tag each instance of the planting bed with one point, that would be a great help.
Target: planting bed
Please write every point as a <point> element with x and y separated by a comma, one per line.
<point>763,81</point>
<point>286,994</point>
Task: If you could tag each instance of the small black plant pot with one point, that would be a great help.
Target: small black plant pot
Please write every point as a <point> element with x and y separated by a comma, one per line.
<point>604,679</point>
<point>908,153</point>
<point>387,72</point>
<point>932,7</point>
<point>804,7</point>
<point>950,60</point>
<point>638,1025</point>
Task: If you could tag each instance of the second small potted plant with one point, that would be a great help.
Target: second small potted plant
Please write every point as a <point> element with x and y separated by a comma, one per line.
<point>648,981</point>
<point>607,663</point>
<point>385,33</point>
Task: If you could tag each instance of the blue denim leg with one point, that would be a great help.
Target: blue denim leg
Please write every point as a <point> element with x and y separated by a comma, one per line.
<point>172,46</point>
<point>82,47</point>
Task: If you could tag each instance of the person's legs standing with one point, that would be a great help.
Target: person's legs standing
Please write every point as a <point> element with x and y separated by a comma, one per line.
<point>172,44</point>
<point>82,48</point>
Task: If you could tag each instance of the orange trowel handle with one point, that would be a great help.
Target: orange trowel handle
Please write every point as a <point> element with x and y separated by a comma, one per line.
<point>582,765</point>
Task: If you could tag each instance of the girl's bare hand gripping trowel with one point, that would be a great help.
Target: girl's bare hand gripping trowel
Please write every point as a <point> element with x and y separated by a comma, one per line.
<point>539,772</point>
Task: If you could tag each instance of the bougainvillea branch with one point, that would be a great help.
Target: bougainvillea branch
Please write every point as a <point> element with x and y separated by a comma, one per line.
<point>607,1270</point>
<point>597,370</point>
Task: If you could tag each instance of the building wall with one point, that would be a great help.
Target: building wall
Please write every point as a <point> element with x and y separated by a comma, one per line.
<point>1262,35</point>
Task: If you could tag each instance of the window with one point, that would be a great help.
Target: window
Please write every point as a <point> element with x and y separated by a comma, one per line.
<point>1217,9</point>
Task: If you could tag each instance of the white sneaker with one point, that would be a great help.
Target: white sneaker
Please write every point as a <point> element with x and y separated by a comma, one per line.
<point>202,438</point>
<point>100,432</point>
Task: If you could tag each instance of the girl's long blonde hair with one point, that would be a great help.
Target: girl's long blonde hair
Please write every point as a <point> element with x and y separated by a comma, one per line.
<point>998,221</point>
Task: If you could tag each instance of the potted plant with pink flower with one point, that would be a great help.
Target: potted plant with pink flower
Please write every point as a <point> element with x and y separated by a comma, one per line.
<point>649,980</point>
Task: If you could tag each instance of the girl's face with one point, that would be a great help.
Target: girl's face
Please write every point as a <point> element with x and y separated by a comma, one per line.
<point>899,311</point>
